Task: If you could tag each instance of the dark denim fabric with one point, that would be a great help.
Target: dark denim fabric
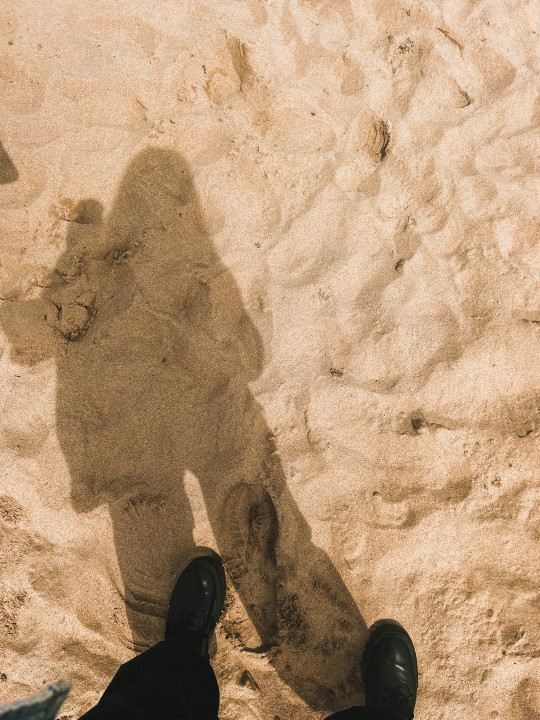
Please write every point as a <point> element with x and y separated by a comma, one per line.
<point>172,682</point>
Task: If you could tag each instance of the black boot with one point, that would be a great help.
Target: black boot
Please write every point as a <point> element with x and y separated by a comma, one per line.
<point>389,670</point>
<point>196,603</point>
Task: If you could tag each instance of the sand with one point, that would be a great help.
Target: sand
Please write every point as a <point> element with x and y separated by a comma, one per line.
<point>270,286</point>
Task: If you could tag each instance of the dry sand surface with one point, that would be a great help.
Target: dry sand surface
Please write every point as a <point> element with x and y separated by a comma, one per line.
<point>270,285</point>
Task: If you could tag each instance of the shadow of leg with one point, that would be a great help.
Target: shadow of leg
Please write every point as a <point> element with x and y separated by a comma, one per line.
<point>301,614</point>
<point>153,532</point>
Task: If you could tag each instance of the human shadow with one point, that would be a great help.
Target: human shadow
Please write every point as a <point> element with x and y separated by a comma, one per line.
<point>155,353</point>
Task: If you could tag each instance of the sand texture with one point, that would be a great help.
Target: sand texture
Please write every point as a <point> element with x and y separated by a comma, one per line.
<point>270,285</point>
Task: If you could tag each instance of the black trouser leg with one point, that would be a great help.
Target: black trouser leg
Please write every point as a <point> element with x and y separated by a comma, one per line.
<point>362,713</point>
<point>170,681</point>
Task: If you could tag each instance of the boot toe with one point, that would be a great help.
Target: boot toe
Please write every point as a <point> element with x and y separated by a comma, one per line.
<point>389,668</point>
<point>197,599</point>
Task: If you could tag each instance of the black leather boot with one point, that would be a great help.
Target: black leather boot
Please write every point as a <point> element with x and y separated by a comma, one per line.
<point>196,603</point>
<point>389,670</point>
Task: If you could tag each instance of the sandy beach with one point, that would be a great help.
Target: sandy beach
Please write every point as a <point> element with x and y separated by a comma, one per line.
<point>270,285</point>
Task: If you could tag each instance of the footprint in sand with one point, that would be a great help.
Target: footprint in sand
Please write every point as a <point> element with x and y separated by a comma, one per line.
<point>250,530</point>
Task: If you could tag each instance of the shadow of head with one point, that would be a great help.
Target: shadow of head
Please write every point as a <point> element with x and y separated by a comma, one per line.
<point>153,194</point>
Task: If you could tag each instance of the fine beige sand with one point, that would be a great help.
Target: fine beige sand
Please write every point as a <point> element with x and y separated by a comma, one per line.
<point>270,285</point>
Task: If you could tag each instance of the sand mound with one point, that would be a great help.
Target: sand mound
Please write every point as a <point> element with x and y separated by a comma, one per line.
<point>270,285</point>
